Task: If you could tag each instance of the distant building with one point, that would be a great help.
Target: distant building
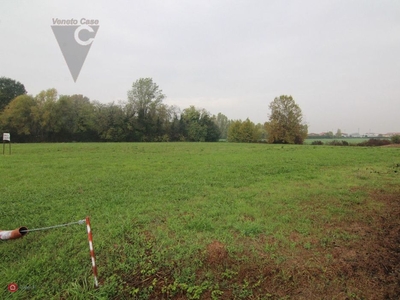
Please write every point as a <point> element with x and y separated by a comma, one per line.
<point>371,134</point>
<point>355,135</point>
<point>390,134</point>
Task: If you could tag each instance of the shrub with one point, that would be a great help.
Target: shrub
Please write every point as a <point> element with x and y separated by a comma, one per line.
<point>335,143</point>
<point>374,142</point>
<point>395,139</point>
<point>317,143</point>
<point>338,143</point>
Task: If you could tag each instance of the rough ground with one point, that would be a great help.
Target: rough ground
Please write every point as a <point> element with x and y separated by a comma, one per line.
<point>366,266</point>
<point>356,259</point>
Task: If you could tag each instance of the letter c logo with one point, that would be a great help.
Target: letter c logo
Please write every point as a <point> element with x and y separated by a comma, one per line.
<point>78,30</point>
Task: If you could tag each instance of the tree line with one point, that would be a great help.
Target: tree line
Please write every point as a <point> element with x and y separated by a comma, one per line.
<point>143,117</point>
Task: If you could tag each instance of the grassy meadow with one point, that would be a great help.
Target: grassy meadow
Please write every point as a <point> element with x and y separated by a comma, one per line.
<point>186,220</point>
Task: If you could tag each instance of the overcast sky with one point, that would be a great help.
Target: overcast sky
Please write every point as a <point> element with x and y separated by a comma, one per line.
<point>340,60</point>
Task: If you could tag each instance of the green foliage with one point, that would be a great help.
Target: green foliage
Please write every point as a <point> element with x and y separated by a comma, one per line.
<point>234,134</point>
<point>350,141</point>
<point>375,142</point>
<point>248,132</point>
<point>329,135</point>
<point>76,119</point>
<point>17,117</point>
<point>143,118</point>
<point>44,113</point>
<point>285,122</point>
<point>222,123</point>
<point>49,118</point>
<point>261,132</point>
<point>395,139</point>
<point>199,126</point>
<point>111,125</point>
<point>244,132</point>
<point>145,96</point>
<point>145,112</point>
<point>338,143</point>
<point>9,89</point>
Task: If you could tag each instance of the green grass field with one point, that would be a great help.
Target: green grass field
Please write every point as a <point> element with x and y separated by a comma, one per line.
<point>188,220</point>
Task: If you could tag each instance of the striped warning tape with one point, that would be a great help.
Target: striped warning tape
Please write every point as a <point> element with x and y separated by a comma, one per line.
<point>90,237</point>
<point>23,230</point>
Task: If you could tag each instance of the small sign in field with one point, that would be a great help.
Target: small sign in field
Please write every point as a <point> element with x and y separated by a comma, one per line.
<point>6,137</point>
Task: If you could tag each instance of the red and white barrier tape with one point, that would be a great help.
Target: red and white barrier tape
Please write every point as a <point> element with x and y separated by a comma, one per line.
<point>12,234</point>
<point>90,237</point>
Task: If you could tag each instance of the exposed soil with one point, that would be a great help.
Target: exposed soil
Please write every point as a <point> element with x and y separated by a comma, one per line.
<point>393,146</point>
<point>358,259</point>
<point>366,266</point>
<point>216,253</point>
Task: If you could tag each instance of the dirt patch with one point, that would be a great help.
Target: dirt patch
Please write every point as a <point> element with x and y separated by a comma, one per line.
<point>392,146</point>
<point>295,237</point>
<point>216,253</point>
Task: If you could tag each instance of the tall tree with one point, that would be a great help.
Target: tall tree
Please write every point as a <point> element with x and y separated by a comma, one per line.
<point>223,124</point>
<point>338,133</point>
<point>176,125</point>
<point>199,125</point>
<point>285,124</point>
<point>44,113</point>
<point>144,98</point>
<point>144,95</point>
<point>111,122</point>
<point>249,132</point>
<point>9,89</point>
<point>234,132</point>
<point>243,132</point>
<point>195,131</point>
<point>65,119</point>
<point>75,119</point>
<point>262,133</point>
<point>213,132</point>
<point>17,118</point>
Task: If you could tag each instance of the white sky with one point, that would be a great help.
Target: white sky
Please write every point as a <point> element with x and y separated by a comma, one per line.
<point>340,60</point>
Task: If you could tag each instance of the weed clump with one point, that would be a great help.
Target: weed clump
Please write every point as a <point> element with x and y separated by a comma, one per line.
<point>317,143</point>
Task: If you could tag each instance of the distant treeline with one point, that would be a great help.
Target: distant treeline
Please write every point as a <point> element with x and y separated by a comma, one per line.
<point>48,117</point>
